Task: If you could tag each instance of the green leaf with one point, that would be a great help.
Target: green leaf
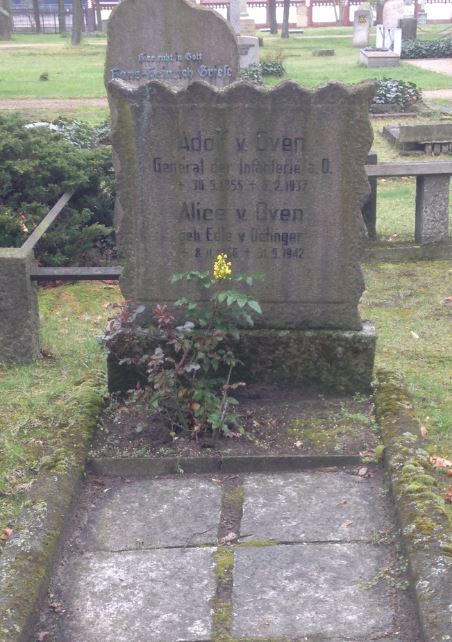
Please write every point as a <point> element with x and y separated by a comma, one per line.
<point>254,305</point>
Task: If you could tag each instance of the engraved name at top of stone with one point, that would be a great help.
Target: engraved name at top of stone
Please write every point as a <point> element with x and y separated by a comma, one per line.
<point>170,41</point>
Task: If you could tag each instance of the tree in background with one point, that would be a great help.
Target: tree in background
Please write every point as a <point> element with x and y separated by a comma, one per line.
<point>272,16</point>
<point>36,15</point>
<point>61,17</point>
<point>285,24</point>
<point>6,23</point>
<point>77,21</point>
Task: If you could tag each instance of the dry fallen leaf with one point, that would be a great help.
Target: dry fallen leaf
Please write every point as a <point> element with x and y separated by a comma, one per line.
<point>57,607</point>
<point>414,335</point>
<point>6,534</point>
<point>298,444</point>
<point>347,523</point>
<point>448,299</point>
<point>449,495</point>
<point>364,472</point>
<point>440,462</point>
<point>230,537</point>
<point>423,430</point>
<point>41,636</point>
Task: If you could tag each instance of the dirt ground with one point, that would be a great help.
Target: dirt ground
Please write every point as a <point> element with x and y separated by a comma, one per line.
<point>275,422</point>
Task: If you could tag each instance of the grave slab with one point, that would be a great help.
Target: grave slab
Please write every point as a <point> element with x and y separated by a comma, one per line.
<point>307,589</point>
<point>151,513</point>
<point>311,507</point>
<point>140,596</point>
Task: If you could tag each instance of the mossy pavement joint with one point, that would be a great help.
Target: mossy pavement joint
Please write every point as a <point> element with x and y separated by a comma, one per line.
<point>27,558</point>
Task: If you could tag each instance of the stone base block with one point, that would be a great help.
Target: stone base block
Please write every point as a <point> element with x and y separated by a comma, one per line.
<point>375,59</point>
<point>333,359</point>
<point>249,51</point>
<point>19,316</point>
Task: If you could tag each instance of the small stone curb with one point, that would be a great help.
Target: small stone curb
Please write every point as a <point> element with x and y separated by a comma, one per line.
<point>152,466</point>
<point>423,521</point>
<point>27,559</point>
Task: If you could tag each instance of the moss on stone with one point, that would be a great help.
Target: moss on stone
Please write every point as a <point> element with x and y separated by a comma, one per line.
<point>224,563</point>
<point>221,621</point>
<point>234,497</point>
<point>257,543</point>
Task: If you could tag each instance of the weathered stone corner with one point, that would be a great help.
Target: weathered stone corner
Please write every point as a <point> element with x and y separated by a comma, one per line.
<point>19,316</point>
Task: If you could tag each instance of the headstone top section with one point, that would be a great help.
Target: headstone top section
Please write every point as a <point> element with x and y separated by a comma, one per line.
<point>170,41</point>
<point>273,178</point>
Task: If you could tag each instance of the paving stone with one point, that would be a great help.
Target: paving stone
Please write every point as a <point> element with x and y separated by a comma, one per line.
<point>138,596</point>
<point>312,507</point>
<point>153,513</point>
<point>310,589</point>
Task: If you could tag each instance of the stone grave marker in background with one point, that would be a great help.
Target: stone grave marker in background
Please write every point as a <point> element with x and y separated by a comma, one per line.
<point>170,41</point>
<point>362,20</point>
<point>274,178</point>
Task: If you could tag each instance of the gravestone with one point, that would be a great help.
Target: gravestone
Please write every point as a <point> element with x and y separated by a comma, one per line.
<point>393,11</point>
<point>274,178</point>
<point>163,41</point>
<point>361,26</point>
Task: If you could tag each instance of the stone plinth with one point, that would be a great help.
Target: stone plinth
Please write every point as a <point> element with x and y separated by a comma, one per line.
<point>334,359</point>
<point>249,51</point>
<point>19,316</point>
<point>375,59</point>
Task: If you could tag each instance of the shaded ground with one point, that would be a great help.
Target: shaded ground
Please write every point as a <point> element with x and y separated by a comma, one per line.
<point>306,556</point>
<point>301,422</point>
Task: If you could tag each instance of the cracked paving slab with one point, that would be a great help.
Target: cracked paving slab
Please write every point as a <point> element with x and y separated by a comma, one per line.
<point>310,589</point>
<point>315,506</point>
<point>139,596</point>
<point>155,513</point>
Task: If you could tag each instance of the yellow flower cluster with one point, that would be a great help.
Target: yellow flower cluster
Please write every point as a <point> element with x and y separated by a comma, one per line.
<point>221,268</point>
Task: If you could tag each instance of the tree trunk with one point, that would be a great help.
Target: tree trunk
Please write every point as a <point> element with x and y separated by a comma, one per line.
<point>285,24</point>
<point>61,17</point>
<point>77,18</point>
<point>6,21</point>
<point>36,16</point>
<point>271,7</point>
<point>98,16</point>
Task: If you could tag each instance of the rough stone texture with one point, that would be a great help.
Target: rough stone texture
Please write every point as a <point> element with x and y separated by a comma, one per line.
<point>139,596</point>
<point>19,316</point>
<point>317,590</point>
<point>307,507</point>
<point>6,23</point>
<point>187,38</point>
<point>432,209</point>
<point>362,20</point>
<point>438,132</point>
<point>156,513</point>
<point>337,359</point>
<point>275,178</point>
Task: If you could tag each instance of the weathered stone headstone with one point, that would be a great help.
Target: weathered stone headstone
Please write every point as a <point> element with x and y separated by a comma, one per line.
<point>163,40</point>
<point>409,28</point>
<point>6,22</point>
<point>274,178</point>
<point>393,11</point>
<point>234,15</point>
<point>361,26</point>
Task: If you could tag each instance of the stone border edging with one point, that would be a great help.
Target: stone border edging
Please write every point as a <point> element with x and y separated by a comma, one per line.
<point>26,560</point>
<point>423,521</point>
<point>147,466</point>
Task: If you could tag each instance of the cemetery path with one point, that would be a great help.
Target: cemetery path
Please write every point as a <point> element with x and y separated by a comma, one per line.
<point>202,558</point>
<point>440,65</point>
<point>61,104</point>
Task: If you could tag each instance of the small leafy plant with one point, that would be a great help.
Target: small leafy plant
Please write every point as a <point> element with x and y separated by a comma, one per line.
<point>399,93</point>
<point>189,372</point>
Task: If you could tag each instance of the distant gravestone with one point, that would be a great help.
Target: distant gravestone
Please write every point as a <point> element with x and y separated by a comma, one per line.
<point>162,40</point>
<point>361,26</point>
<point>393,11</point>
<point>274,178</point>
